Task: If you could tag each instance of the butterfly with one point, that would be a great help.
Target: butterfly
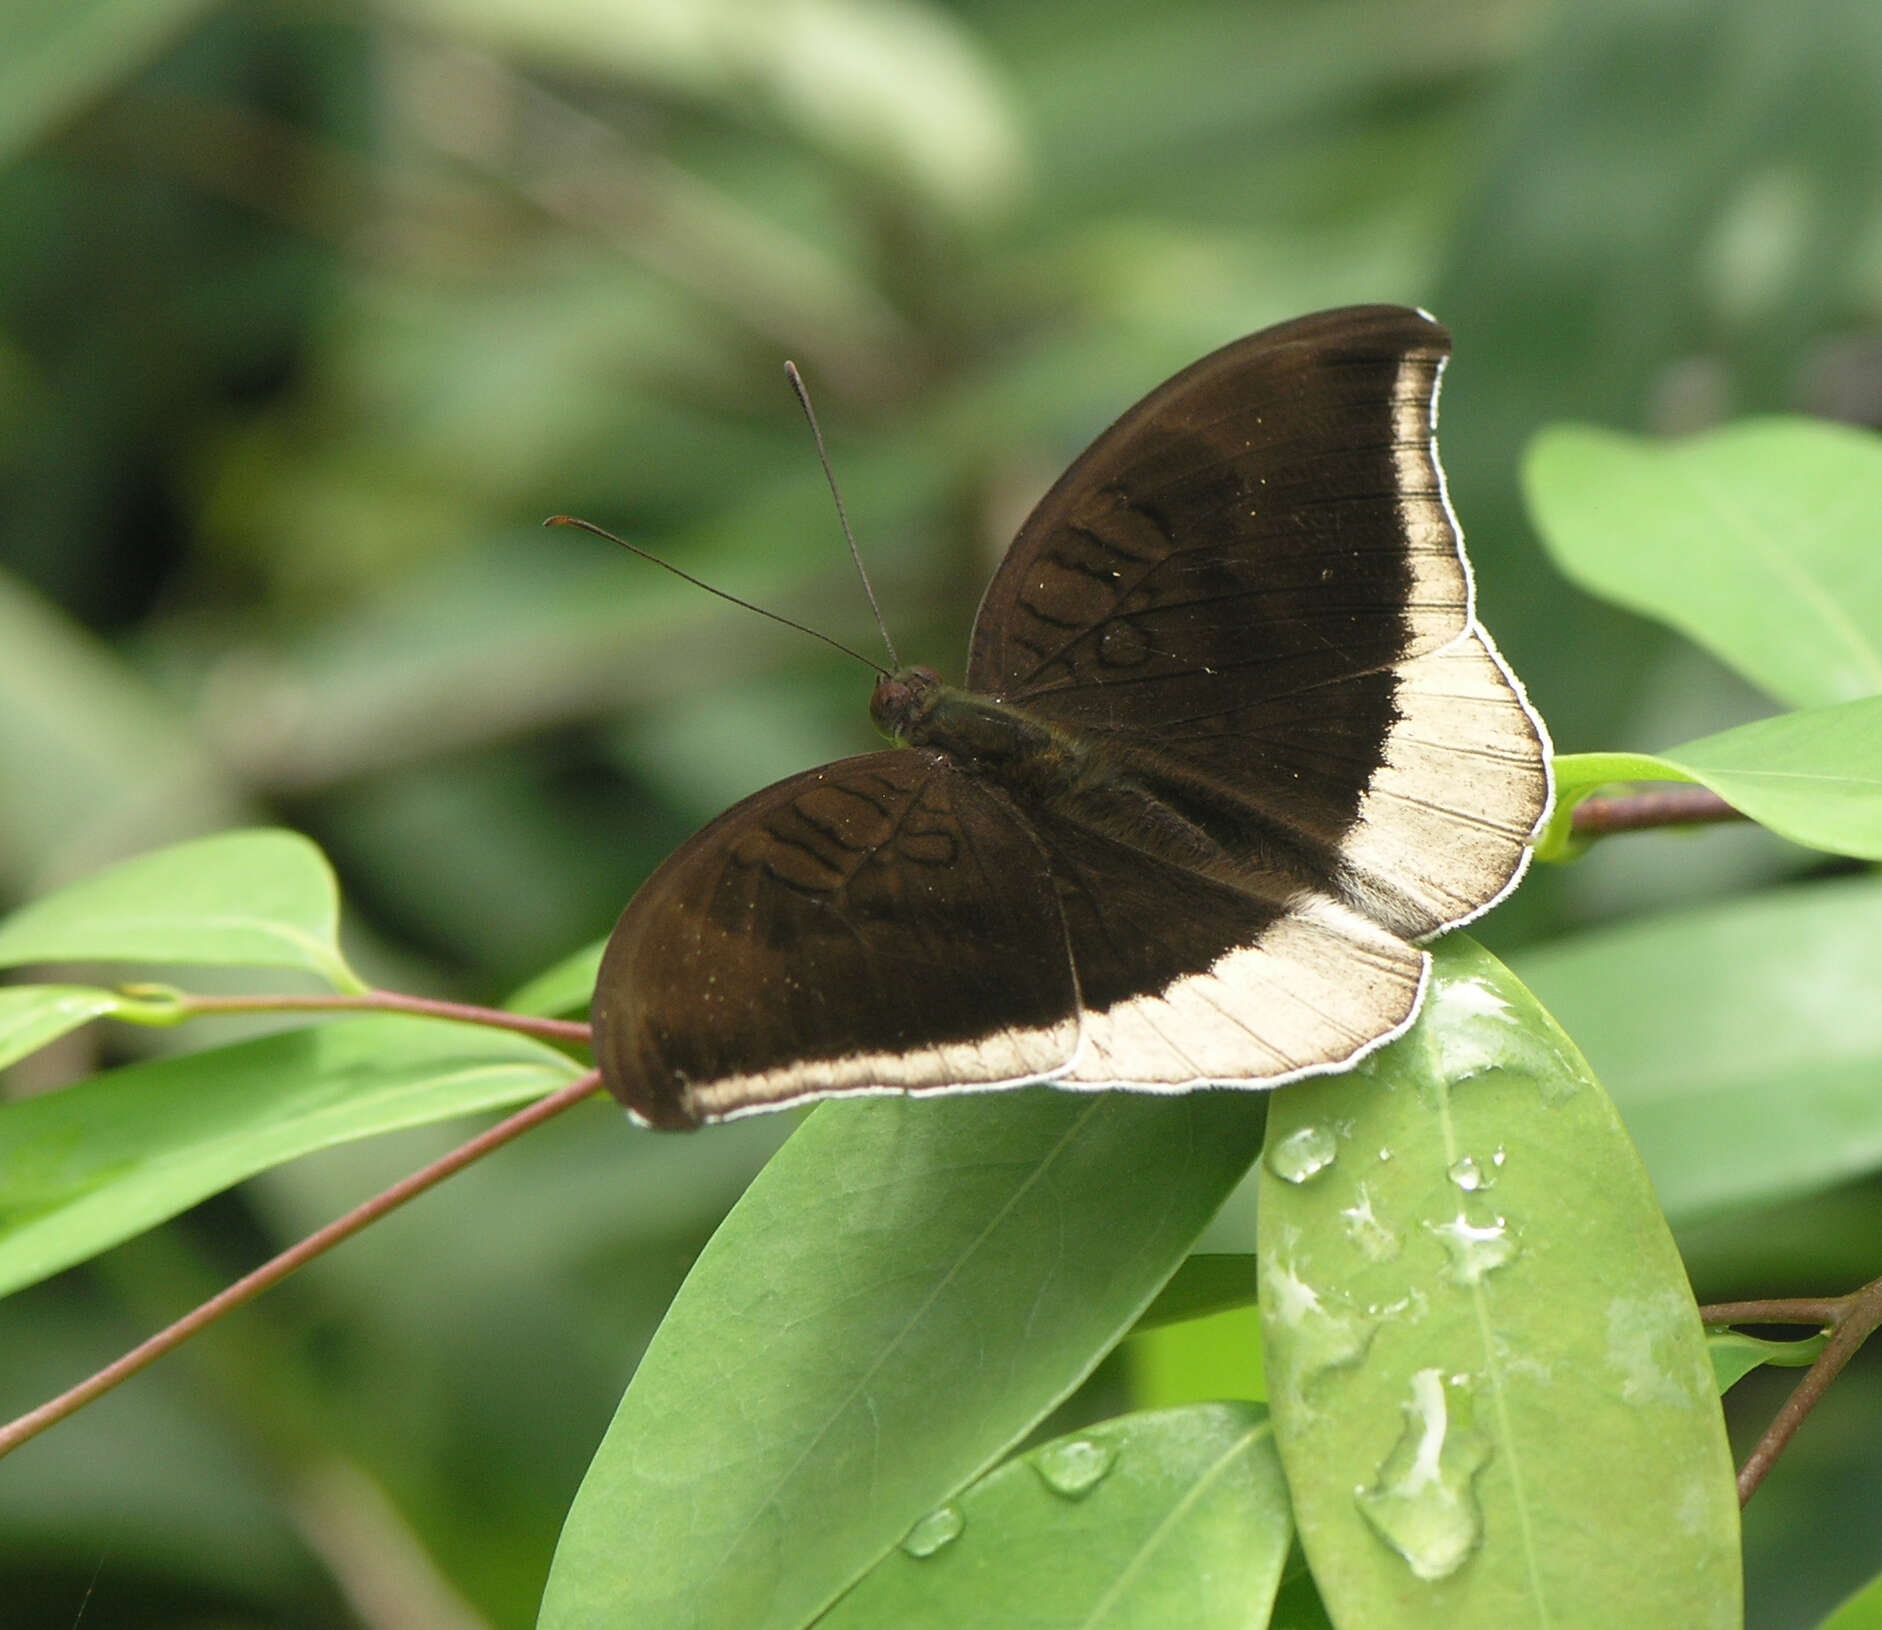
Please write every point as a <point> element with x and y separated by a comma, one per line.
<point>1231,744</point>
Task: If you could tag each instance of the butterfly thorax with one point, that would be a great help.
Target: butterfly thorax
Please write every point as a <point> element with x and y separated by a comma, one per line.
<point>915,709</point>
<point>1047,765</point>
<point>1122,787</point>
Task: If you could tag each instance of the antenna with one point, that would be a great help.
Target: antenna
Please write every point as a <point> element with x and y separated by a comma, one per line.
<point>842,515</point>
<point>698,583</point>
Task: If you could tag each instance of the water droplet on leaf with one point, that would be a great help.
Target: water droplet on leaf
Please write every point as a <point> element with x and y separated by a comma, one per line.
<point>1470,1176</point>
<point>1422,1503</point>
<point>940,1527</point>
<point>1074,1467</point>
<point>1321,1334</point>
<point>1476,1249</point>
<point>1303,1154</point>
<point>1376,1242</point>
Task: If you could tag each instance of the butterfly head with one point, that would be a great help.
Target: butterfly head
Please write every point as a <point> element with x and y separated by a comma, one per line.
<point>902,700</point>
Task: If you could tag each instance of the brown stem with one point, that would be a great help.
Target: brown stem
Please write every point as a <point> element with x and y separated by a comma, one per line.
<point>391,1001</point>
<point>1664,806</point>
<point>1852,1320</point>
<point>251,1285</point>
<point>1789,1310</point>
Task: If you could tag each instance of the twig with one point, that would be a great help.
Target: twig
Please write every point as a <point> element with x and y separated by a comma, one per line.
<point>388,1001</point>
<point>251,1285</point>
<point>1822,1312</point>
<point>1850,1319</point>
<point>1637,811</point>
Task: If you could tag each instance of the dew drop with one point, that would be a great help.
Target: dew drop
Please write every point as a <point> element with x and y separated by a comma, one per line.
<point>1476,1249</point>
<point>1322,1333</point>
<point>1421,1502</point>
<point>939,1528</point>
<point>1469,1175</point>
<point>1376,1242</point>
<point>1074,1467</point>
<point>1303,1154</point>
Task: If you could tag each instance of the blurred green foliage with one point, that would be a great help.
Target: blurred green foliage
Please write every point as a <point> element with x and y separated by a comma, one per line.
<point>308,314</point>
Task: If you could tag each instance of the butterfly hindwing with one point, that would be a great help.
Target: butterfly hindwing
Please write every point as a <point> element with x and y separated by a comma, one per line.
<point>1186,982</point>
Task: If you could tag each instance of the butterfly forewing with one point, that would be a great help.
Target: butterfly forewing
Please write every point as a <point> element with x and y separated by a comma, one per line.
<point>883,923</point>
<point>1251,575</point>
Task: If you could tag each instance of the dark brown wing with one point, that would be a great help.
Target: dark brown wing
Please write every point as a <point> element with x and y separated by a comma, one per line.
<point>881,924</point>
<point>1254,583</point>
<point>894,924</point>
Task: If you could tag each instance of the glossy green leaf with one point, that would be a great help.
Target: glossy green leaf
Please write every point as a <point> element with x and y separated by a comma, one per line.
<point>906,1290</point>
<point>33,1015</point>
<point>93,1164</point>
<point>1863,1611</point>
<point>1756,541</point>
<point>1489,1381</point>
<point>1735,1355</point>
<point>260,899</point>
<point>1179,1516</point>
<point>1813,776</point>
<point>1743,1043</point>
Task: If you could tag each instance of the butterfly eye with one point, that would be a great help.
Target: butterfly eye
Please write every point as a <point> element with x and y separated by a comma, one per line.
<point>900,699</point>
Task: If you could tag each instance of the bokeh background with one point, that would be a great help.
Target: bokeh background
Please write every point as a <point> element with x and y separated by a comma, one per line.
<point>310,310</point>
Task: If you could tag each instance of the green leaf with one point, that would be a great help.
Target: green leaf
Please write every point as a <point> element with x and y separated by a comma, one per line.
<point>907,1289</point>
<point>1173,1517</point>
<point>1489,1382</point>
<point>1742,1043</point>
<point>1814,777</point>
<point>86,1167</point>
<point>1201,1338</point>
<point>259,899</point>
<point>562,988</point>
<point>33,1015</point>
<point>1863,1611</point>
<point>1579,776</point>
<point>1756,541</point>
<point>1207,1283</point>
<point>1197,1361</point>
<point>1735,1355</point>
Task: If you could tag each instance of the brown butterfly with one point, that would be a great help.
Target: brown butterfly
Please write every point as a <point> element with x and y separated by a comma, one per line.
<point>1232,742</point>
